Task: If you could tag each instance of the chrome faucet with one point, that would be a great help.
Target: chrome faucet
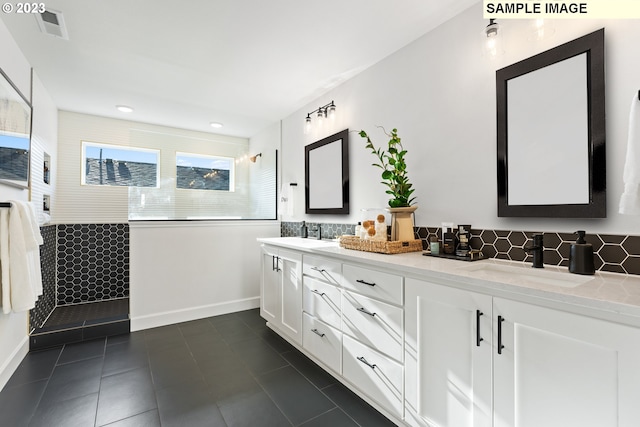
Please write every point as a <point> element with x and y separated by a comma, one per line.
<point>537,250</point>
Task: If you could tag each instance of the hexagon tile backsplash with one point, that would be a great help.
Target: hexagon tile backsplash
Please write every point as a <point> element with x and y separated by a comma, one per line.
<point>613,253</point>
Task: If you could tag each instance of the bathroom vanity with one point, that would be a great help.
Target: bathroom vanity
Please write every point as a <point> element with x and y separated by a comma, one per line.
<point>438,342</point>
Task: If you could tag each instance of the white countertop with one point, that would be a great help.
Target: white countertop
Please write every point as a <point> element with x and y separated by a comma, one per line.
<point>610,296</point>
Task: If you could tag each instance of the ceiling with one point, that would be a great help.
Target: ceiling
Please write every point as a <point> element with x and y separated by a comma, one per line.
<point>243,63</point>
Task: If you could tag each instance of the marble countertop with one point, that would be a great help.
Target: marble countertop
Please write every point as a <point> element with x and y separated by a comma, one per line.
<point>610,296</point>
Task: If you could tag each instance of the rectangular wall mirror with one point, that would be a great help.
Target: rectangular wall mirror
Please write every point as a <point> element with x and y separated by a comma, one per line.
<point>551,133</point>
<point>15,134</point>
<point>327,175</point>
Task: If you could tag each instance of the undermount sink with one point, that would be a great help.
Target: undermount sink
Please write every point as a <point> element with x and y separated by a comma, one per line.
<point>524,272</point>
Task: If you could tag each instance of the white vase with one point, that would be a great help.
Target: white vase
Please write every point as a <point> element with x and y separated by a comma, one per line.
<point>402,223</point>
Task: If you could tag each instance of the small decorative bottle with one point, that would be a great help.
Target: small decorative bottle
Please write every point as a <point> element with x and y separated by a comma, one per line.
<point>358,229</point>
<point>304,232</point>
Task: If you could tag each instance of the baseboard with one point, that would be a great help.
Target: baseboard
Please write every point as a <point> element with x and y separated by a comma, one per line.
<point>13,361</point>
<point>139,323</point>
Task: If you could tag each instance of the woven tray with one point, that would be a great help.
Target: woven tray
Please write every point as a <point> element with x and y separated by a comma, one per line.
<point>395,247</point>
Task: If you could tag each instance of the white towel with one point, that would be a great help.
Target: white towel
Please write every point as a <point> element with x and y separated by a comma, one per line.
<point>20,238</point>
<point>630,199</point>
<point>33,240</point>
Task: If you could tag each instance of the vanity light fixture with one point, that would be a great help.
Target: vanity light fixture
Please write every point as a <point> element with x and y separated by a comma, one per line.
<point>492,39</point>
<point>124,108</point>
<point>254,158</point>
<point>215,125</point>
<point>326,111</point>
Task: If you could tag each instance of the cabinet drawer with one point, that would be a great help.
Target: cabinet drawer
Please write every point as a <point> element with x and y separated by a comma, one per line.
<point>374,374</point>
<point>384,286</point>
<point>322,300</point>
<point>323,341</point>
<point>324,269</point>
<point>374,323</point>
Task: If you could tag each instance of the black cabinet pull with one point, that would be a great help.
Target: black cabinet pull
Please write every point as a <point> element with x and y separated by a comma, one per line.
<point>319,270</point>
<point>363,360</point>
<point>315,291</point>
<point>365,311</point>
<point>273,263</point>
<point>315,331</point>
<point>500,346</point>
<point>365,283</point>
<point>478,337</point>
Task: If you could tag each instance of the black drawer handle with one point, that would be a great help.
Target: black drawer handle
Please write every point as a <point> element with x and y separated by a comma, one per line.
<point>318,333</point>
<point>319,270</point>
<point>365,311</point>
<point>500,346</point>
<point>365,283</point>
<point>363,360</point>
<point>478,337</point>
<point>315,291</point>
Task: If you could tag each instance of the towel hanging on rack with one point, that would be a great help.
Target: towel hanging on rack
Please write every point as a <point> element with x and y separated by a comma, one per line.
<point>630,199</point>
<point>20,241</point>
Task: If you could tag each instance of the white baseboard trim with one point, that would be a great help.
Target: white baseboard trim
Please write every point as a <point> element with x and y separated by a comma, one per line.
<point>10,365</point>
<point>148,321</point>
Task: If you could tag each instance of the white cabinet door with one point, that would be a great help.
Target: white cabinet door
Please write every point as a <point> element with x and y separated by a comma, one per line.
<point>291,293</point>
<point>558,369</point>
<point>281,290</point>
<point>448,349</point>
<point>270,285</point>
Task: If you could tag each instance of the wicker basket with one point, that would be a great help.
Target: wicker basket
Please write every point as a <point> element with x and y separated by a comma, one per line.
<point>382,247</point>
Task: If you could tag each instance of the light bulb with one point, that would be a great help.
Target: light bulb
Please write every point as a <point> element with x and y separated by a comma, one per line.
<point>320,117</point>
<point>492,39</point>
<point>307,125</point>
<point>332,112</point>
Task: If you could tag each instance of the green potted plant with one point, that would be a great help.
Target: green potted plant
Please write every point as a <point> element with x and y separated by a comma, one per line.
<point>395,178</point>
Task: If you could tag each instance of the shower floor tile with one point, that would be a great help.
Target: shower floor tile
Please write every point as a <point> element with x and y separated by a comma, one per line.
<point>88,314</point>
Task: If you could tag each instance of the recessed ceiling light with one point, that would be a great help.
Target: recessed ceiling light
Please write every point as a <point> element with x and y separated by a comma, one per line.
<point>216,125</point>
<point>124,108</point>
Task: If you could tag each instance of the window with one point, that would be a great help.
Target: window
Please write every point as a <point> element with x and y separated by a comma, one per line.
<point>119,166</point>
<point>199,172</point>
<point>14,157</point>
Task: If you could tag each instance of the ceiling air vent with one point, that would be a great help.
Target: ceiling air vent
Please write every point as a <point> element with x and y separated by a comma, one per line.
<point>52,22</point>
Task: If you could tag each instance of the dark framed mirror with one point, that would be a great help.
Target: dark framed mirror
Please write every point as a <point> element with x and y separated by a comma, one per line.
<point>551,133</point>
<point>15,134</point>
<point>326,175</point>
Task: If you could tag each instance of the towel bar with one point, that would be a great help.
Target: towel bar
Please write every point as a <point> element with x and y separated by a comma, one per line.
<point>5,204</point>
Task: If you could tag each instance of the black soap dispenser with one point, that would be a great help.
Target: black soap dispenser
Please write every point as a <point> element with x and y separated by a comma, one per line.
<point>581,256</point>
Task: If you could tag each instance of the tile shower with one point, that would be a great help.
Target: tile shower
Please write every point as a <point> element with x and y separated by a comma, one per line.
<point>85,270</point>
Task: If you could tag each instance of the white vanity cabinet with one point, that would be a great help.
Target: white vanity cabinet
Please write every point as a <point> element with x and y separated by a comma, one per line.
<point>476,360</point>
<point>281,290</point>
<point>448,350</point>
<point>431,344</point>
<point>560,369</point>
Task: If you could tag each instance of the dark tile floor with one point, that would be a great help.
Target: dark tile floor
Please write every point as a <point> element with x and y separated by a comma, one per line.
<point>228,370</point>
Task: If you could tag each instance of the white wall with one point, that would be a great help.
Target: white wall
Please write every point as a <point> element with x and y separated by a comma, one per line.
<point>186,271</point>
<point>439,92</point>
<point>14,342</point>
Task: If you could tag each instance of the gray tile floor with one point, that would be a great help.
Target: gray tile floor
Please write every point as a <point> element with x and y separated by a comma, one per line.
<point>228,370</point>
